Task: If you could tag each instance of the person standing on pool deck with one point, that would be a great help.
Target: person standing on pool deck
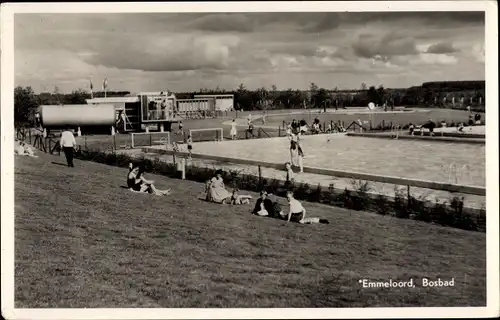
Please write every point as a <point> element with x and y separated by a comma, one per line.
<point>68,144</point>
<point>189,142</point>
<point>233,131</point>
<point>180,130</point>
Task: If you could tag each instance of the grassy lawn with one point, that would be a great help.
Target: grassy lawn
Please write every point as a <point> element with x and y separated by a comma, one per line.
<point>84,241</point>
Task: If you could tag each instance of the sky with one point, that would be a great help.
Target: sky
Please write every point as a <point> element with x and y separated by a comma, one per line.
<point>184,52</point>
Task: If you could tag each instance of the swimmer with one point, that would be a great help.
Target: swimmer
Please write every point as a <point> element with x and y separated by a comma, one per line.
<point>189,145</point>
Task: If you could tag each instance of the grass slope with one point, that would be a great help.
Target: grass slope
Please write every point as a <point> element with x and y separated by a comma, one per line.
<point>82,241</point>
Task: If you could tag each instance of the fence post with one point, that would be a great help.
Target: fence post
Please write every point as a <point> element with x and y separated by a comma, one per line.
<point>409,196</point>
<point>114,142</point>
<point>279,131</point>
<point>260,177</point>
<point>150,139</point>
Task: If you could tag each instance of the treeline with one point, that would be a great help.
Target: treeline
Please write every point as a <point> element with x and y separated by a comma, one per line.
<point>446,94</point>
<point>451,94</point>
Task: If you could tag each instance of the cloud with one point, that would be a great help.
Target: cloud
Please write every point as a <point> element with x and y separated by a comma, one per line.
<point>442,47</point>
<point>139,51</point>
<point>167,54</point>
<point>328,22</point>
<point>392,44</point>
<point>224,23</point>
<point>433,59</point>
<point>478,52</point>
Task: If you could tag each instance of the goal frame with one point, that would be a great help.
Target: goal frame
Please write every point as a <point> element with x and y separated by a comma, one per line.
<point>133,134</point>
<point>221,130</point>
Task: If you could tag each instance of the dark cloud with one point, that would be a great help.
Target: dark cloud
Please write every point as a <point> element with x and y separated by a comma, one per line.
<point>433,17</point>
<point>294,49</point>
<point>329,21</point>
<point>442,48</point>
<point>224,22</point>
<point>389,45</point>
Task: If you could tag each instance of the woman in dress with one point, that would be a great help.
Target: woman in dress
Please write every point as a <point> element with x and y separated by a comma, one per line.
<point>217,190</point>
<point>233,131</point>
<point>137,183</point>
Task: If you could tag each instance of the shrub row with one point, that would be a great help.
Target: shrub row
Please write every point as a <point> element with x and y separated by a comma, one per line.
<point>450,214</point>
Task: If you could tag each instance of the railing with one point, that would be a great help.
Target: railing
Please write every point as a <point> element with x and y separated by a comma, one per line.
<point>37,140</point>
<point>354,124</point>
<point>249,134</point>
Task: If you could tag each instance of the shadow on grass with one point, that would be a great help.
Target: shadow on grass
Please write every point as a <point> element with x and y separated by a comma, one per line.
<point>60,164</point>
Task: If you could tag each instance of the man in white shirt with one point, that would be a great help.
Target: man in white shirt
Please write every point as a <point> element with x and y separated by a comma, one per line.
<point>297,213</point>
<point>68,145</point>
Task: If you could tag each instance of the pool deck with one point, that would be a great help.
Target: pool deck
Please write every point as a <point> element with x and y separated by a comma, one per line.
<point>376,188</point>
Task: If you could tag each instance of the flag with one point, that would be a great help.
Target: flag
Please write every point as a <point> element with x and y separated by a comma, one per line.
<point>105,84</point>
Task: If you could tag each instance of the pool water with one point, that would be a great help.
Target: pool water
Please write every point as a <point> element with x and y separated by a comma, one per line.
<point>411,159</point>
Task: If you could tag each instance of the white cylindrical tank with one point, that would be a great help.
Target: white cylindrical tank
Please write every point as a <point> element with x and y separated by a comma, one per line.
<point>77,115</point>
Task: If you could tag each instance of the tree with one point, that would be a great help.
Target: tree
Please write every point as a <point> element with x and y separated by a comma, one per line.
<point>25,104</point>
<point>241,87</point>
<point>77,97</point>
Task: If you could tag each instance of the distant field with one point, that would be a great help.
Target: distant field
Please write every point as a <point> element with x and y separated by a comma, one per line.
<point>83,241</point>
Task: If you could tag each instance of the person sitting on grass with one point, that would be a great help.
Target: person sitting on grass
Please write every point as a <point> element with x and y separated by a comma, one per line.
<point>264,206</point>
<point>22,149</point>
<point>237,198</point>
<point>297,213</point>
<point>217,190</point>
<point>137,183</point>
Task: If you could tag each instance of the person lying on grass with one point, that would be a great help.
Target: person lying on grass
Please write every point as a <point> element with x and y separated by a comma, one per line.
<point>22,149</point>
<point>297,213</point>
<point>237,198</point>
<point>137,183</point>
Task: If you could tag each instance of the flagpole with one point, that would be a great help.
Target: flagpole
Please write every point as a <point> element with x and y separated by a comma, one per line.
<point>91,89</point>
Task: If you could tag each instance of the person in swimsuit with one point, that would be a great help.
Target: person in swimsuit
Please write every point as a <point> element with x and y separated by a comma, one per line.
<point>137,183</point>
<point>190,145</point>
<point>237,198</point>
<point>289,175</point>
<point>297,212</point>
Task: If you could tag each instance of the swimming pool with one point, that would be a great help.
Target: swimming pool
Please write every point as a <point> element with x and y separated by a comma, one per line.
<point>400,158</point>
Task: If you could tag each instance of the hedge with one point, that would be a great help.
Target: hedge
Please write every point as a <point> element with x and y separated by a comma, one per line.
<point>452,214</point>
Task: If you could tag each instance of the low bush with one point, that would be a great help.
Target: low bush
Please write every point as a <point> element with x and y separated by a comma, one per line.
<point>401,205</point>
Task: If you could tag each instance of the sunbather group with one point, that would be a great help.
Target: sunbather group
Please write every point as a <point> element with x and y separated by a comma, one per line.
<point>215,191</point>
